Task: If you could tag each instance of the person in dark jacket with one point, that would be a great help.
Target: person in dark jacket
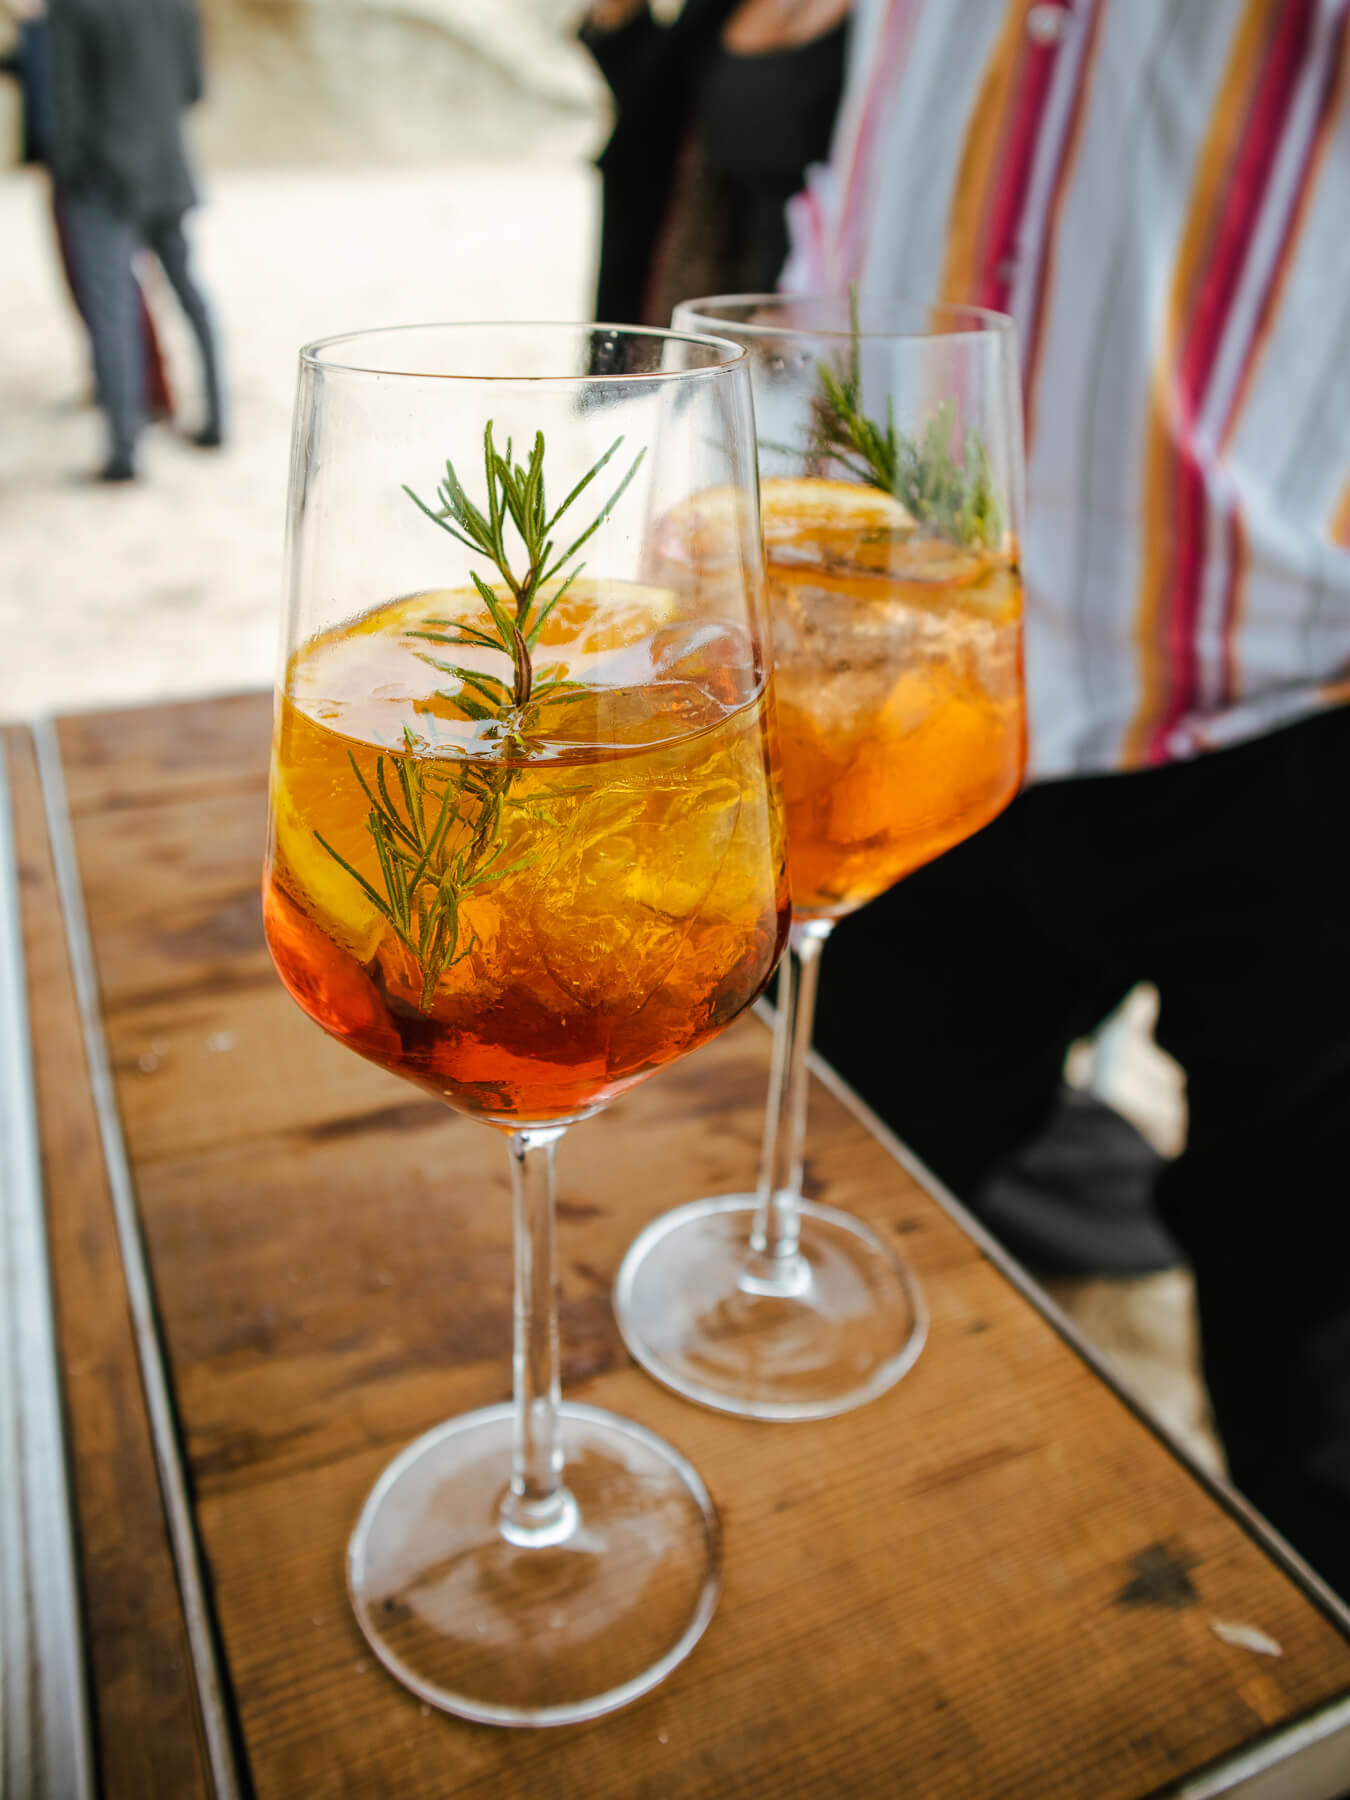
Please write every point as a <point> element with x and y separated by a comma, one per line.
<point>30,63</point>
<point>122,74</point>
<point>719,108</point>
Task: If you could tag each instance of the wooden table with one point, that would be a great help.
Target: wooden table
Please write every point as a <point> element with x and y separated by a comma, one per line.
<point>995,1581</point>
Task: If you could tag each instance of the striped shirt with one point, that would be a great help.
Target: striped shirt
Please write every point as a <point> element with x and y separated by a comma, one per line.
<point>1158,191</point>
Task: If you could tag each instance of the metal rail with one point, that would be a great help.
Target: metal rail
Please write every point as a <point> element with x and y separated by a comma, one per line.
<point>217,1732</point>
<point>45,1741</point>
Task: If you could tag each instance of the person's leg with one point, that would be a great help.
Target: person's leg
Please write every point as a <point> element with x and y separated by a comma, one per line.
<point>1256,1007</point>
<point>166,238</point>
<point>102,245</point>
<point>66,252</point>
<point>158,395</point>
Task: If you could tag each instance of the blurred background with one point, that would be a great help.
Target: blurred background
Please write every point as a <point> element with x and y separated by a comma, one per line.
<point>362,163</point>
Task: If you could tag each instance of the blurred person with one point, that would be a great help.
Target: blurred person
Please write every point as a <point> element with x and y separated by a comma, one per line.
<point>123,73</point>
<point>30,63</point>
<point>719,109</point>
<point>27,61</point>
<point>1158,193</point>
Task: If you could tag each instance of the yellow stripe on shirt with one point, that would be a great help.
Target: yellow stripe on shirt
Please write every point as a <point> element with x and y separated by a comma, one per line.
<point>1212,168</point>
<point>985,135</point>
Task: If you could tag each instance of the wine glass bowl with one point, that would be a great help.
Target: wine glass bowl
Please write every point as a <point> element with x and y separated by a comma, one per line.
<point>890,459</point>
<point>525,848</point>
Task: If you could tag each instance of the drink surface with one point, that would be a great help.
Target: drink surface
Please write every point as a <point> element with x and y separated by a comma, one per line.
<point>526,921</point>
<point>898,675</point>
<point>898,668</point>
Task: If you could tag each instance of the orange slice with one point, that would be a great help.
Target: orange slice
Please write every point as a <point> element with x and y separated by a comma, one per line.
<point>800,509</point>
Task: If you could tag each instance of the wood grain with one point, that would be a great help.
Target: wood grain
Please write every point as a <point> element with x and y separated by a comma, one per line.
<point>144,1707</point>
<point>993,1581</point>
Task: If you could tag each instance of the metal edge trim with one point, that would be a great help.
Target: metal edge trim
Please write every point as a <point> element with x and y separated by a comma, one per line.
<point>1243,1770</point>
<point>46,1740</point>
<point>187,1554</point>
<point>1331,1718</point>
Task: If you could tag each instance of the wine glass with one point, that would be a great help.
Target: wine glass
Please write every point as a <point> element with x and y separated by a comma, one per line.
<point>525,848</point>
<point>891,481</point>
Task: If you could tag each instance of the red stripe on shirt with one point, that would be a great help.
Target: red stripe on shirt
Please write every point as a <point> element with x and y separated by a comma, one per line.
<point>1249,176</point>
<point>1328,105</point>
<point>1007,204</point>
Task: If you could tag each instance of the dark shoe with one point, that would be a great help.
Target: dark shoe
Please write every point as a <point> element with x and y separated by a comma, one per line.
<point>1078,1200</point>
<point>117,468</point>
<point>210,437</point>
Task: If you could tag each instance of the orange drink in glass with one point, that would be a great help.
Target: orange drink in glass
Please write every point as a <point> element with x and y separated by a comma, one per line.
<point>526,847</point>
<point>891,474</point>
<point>617,901</point>
<point>898,669</point>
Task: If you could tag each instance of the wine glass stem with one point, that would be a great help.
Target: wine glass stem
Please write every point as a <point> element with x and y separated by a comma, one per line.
<point>773,1237</point>
<point>537,1508</point>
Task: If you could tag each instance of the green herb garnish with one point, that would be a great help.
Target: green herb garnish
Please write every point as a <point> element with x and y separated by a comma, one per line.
<point>947,493</point>
<point>413,817</point>
<point>515,492</point>
<point>424,882</point>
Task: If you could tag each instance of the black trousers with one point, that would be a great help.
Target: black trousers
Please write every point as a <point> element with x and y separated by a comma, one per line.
<point>949,1004</point>
<point>166,239</point>
<point>104,243</point>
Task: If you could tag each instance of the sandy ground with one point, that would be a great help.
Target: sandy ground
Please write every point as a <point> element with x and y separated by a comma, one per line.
<point>172,587</point>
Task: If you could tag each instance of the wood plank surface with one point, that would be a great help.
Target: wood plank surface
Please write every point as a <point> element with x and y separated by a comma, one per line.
<point>993,1581</point>
<point>144,1706</point>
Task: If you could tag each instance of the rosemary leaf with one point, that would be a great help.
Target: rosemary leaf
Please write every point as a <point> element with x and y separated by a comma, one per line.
<point>947,492</point>
<point>439,518</point>
<point>487,685</point>
<point>584,483</point>
<point>532,636</point>
<point>596,523</point>
<point>425,876</point>
<point>465,635</point>
<point>472,709</point>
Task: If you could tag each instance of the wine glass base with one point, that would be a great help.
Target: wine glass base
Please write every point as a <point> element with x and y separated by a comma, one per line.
<point>691,1313</point>
<point>545,1634</point>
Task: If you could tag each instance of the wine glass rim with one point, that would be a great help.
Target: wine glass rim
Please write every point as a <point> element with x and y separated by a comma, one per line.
<point>980,321</point>
<point>314,354</point>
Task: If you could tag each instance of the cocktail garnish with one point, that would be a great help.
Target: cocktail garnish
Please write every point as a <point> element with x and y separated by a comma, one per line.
<point>947,492</point>
<point>412,820</point>
<point>515,492</point>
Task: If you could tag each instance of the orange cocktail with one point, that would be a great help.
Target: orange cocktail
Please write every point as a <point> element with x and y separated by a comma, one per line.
<point>526,847</point>
<point>891,475</point>
<point>583,904</point>
<point>898,666</point>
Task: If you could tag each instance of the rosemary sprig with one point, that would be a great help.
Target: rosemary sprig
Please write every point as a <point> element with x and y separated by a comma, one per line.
<point>425,883</point>
<point>946,492</point>
<point>417,821</point>
<point>515,492</point>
